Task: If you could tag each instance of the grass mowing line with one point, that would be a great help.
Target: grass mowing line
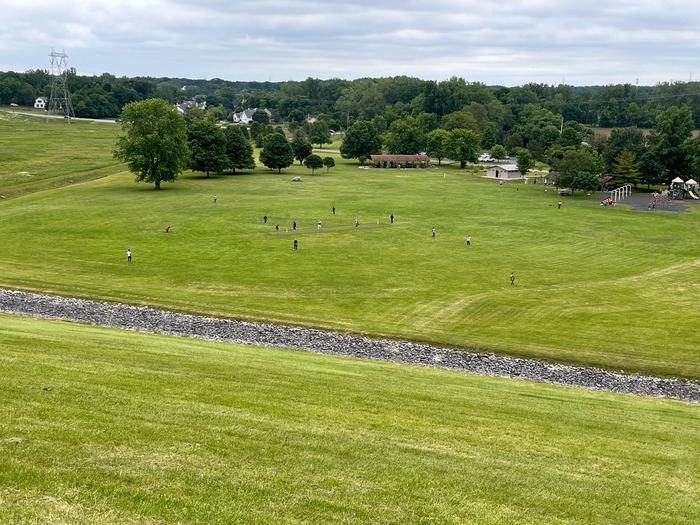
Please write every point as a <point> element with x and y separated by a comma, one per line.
<point>104,426</point>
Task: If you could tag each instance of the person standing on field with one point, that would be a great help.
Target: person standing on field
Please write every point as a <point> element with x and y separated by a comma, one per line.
<point>294,225</point>
<point>433,232</point>
<point>512,278</point>
<point>128,255</point>
<point>215,199</point>
<point>296,245</point>
<point>469,240</point>
<point>333,210</point>
<point>391,218</point>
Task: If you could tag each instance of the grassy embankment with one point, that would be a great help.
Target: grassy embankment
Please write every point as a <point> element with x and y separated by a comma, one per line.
<point>608,287</point>
<point>38,153</point>
<point>107,426</point>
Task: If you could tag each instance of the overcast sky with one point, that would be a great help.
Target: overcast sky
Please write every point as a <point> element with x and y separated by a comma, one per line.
<point>505,42</point>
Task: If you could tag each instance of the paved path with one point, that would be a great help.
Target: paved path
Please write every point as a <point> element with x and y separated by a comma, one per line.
<point>265,334</point>
<point>47,115</point>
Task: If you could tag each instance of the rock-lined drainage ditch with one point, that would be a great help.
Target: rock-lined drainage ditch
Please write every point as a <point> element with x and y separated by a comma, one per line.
<point>147,319</point>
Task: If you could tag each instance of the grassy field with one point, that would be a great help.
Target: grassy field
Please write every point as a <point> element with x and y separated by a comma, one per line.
<point>37,153</point>
<point>107,426</point>
<point>608,287</point>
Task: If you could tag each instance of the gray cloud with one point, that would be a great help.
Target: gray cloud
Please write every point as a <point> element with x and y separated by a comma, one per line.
<point>508,42</point>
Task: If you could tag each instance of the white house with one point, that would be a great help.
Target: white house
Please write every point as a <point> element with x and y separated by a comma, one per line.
<point>504,172</point>
<point>246,117</point>
<point>183,108</point>
<point>40,103</point>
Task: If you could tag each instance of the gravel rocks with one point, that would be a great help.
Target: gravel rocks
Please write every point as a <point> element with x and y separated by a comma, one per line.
<point>164,322</point>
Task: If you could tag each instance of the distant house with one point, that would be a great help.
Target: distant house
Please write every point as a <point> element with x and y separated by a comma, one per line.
<point>40,103</point>
<point>183,108</point>
<point>246,117</point>
<point>311,119</point>
<point>504,172</point>
<point>400,161</point>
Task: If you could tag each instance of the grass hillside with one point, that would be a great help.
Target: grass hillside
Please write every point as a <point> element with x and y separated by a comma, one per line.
<point>37,153</point>
<point>601,286</point>
<point>106,426</point>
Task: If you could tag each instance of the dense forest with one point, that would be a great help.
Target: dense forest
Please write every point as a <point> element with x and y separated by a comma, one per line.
<point>452,118</point>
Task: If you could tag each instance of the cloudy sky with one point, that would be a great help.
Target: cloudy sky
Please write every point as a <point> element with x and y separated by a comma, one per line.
<point>505,42</point>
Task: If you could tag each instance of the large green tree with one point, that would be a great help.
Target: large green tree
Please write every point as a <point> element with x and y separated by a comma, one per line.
<point>261,117</point>
<point>154,144</point>
<point>328,162</point>
<point>313,162</point>
<point>626,168</point>
<point>301,146</point>
<point>524,161</point>
<point>319,133</point>
<point>258,132</point>
<point>652,170</point>
<point>536,129</point>
<point>673,128</point>
<point>405,136</point>
<point>277,153</point>
<point>693,151</point>
<point>361,140</point>
<point>498,151</point>
<point>362,99</point>
<point>207,146</point>
<point>463,146</point>
<point>621,139</point>
<point>239,150</point>
<point>579,168</point>
<point>438,144</point>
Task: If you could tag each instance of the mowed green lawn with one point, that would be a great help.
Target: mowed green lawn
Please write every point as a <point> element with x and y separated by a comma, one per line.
<point>608,287</point>
<point>106,426</point>
<point>38,153</point>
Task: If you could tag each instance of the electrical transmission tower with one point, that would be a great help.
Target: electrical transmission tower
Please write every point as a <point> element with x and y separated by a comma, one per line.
<point>60,102</point>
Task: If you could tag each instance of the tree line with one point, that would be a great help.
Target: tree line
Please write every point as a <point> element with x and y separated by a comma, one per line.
<point>629,155</point>
<point>340,102</point>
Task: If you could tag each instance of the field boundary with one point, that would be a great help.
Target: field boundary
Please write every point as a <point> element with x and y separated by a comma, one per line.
<point>146,319</point>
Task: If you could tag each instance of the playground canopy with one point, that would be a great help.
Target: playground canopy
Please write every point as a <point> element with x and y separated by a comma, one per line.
<point>677,180</point>
<point>691,182</point>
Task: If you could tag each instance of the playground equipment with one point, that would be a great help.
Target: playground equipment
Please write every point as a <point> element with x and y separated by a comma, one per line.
<point>677,189</point>
<point>660,200</point>
<point>683,190</point>
<point>621,193</point>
